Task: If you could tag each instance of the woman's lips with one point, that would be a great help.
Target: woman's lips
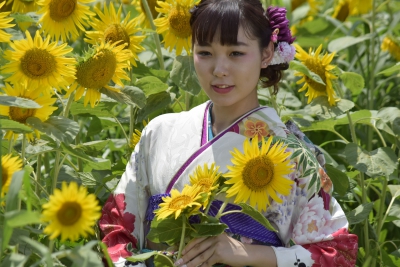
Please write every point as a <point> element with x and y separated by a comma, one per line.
<point>222,89</point>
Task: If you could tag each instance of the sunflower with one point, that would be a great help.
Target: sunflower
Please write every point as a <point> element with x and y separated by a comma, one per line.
<point>320,65</point>
<point>9,165</point>
<point>105,63</point>
<point>39,63</point>
<point>111,29</point>
<point>179,202</point>
<point>175,25</point>
<point>142,19</point>
<point>313,4</point>
<point>61,18</point>
<point>21,114</point>
<point>392,46</point>
<point>23,7</point>
<point>71,212</point>
<point>205,178</point>
<point>135,138</point>
<point>346,8</point>
<point>4,23</point>
<point>259,173</point>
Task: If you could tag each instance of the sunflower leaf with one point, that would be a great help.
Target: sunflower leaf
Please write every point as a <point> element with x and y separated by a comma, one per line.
<point>167,230</point>
<point>360,213</point>
<point>14,126</point>
<point>13,101</point>
<point>141,257</point>
<point>161,260</point>
<point>151,85</point>
<point>300,67</point>
<point>184,75</point>
<point>256,215</point>
<point>208,229</point>
<point>353,81</point>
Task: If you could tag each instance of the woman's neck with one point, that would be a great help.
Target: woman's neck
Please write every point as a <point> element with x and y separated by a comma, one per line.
<point>223,117</point>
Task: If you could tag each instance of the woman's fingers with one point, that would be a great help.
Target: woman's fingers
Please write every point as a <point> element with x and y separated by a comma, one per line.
<point>193,243</point>
<point>197,253</point>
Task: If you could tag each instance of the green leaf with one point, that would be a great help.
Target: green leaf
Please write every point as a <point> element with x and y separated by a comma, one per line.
<point>321,107</point>
<point>141,257</point>
<point>316,25</point>
<point>57,127</point>
<point>94,147</point>
<point>391,70</point>
<point>28,17</point>
<point>14,260</point>
<point>161,260</point>
<point>39,247</point>
<point>39,147</point>
<point>87,179</point>
<point>256,215</point>
<point>395,191</point>
<point>389,260</point>
<point>167,230</point>
<point>208,229</point>
<point>19,218</point>
<point>14,126</point>
<point>380,162</point>
<point>103,109</point>
<point>184,75</point>
<point>347,41</point>
<point>14,101</point>
<point>142,70</point>
<point>353,81</point>
<point>154,103</point>
<point>135,95</point>
<point>360,213</point>
<point>298,66</point>
<point>85,256</point>
<point>151,85</point>
<point>95,163</point>
<point>339,179</point>
<point>396,126</point>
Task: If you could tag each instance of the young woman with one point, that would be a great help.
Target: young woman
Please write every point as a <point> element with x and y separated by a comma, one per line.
<point>236,44</point>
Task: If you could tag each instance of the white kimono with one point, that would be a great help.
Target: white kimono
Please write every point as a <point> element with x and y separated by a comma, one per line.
<point>311,225</point>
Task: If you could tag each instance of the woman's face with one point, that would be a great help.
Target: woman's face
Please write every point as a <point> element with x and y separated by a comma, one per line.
<point>229,73</point>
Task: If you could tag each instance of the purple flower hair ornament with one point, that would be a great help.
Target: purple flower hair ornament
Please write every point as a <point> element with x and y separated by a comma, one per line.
<point>281,35</point>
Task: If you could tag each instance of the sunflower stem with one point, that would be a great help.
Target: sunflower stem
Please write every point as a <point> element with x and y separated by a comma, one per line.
<point>122,129</point>
<point>149,16</point>
<point>187,100</point>
<point>182,242</point>
<point>23,148</point>
<point>55,174</point>
<point>133,113</point>
<point>273,100</point>
<point>38,173</point>
<point>221,210</point>
<point>67,107</point>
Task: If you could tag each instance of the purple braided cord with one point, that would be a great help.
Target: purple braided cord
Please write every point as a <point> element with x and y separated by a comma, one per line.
<point>277,19</point>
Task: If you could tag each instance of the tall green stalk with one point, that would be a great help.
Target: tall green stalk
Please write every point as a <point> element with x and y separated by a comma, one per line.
<point>182,242</point>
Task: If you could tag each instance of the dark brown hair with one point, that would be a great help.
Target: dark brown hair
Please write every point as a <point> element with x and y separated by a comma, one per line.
<point>225,16</point>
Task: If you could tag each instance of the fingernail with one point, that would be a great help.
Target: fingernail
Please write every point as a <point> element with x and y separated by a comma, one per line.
<point>179,262</point>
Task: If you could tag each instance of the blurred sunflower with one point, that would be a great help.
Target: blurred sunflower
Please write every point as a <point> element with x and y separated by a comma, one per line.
<point>320,65</point>
<point>346,8</point>
<point>37,62</point>
<point>23,7</point>
<point>9,165</point>
<point>135,138</point>
<point>71,212</point>
<point>61,18</point>
<point>4,24</point>
<point>314,8</point>
<point>21,114</point>
<point>105,63</point>
<point>205,178</point>
<point>142,18</point>
<point>259,173</point>
<point>391,45</point>
<point>175,24</point>
<point>179,202</point>
<point>111,29</point>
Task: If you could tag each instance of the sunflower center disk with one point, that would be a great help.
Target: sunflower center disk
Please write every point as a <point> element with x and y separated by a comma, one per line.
<point>4,176</point>
<point>344,12</point>
<point>38,63</point>
<point>179,202</point>
<point>98,70</point>
<point>315,65</point>
<point>21,114</point>
<point>205,184</point>
<point>152,6</point>
<point>258,173</point>
<point>61,9</point>
<point>69,213</point>
<point>179,21</point>
<point>115,33</point>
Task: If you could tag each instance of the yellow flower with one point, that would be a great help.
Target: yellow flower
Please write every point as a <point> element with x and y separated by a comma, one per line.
<point>61,18</point>
<point>313,4</point>
<point>175,25</point>
<point>9,165</point>
<point>39,63</point>
<point>21,114</point>
<point>106,63</point>
<point>346,8</point>
<point>142,19</point>
<point>179,202</point>
<point>205,178</point>
<point>135,138</point>
<point>71,212</point>
<point>111,29</point>
<point>392,46</point>
<point>23,7</point>
<point>259,173</point>
<point>4,24</point>
<point>320,65</point>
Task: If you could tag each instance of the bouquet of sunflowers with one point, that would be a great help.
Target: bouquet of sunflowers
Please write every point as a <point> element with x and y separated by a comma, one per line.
<point>257,175</point>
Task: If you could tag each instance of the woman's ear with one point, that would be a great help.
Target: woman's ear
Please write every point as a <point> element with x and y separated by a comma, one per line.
<point>267,55</point>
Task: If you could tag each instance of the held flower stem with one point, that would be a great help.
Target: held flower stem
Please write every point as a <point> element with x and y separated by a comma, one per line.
<point>182,236</point>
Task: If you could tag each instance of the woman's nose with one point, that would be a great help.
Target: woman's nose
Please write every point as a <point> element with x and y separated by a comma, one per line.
<point>220,69</point>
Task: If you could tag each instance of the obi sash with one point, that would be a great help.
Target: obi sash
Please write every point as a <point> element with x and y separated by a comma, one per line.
<point>238,223</point>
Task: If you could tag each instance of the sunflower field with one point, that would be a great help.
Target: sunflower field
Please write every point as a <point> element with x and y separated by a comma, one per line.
<point>79,79</point>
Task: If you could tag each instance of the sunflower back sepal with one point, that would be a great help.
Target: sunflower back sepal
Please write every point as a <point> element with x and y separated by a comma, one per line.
<point>257,216</point>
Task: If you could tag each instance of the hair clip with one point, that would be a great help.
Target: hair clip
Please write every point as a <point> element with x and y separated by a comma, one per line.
<point>274,36</point>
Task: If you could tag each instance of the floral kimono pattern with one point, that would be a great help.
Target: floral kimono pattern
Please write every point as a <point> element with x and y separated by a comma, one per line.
<point>312,226</point>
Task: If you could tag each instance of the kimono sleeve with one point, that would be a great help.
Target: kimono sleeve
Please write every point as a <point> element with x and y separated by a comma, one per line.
<point>123,214</point>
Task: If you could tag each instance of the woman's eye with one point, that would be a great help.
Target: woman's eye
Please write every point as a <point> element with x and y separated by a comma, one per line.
<point>236,54</point>
<point>204,53</point>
